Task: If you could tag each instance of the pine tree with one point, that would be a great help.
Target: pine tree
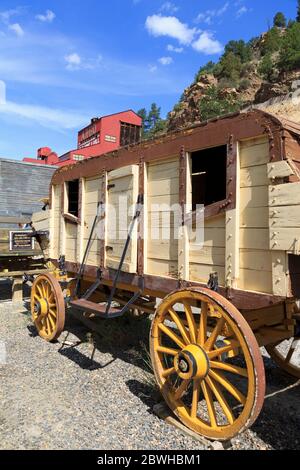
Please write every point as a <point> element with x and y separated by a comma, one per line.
<point>298,12</point>
<point>280,20</point>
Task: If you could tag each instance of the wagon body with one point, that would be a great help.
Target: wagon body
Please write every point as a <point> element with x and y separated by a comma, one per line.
<point>243,171</point>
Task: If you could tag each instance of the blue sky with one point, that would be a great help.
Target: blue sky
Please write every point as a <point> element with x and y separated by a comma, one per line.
<point>65,61</point>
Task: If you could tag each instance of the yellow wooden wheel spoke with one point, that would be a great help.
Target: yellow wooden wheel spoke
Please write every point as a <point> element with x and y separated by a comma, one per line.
<point>228,386</point>
<point>41,296</point>
<point>181,389</point>
<point>191,322</point>
<point>210,404</point>
<point>221,399</point>
<point>167,372</point>
<point>217,352</point>
<point>51,321</point>
<point>195,399</point>
<point>180,326</point>
<point>53,312</point>
<point>171,335</point>
<point>215,333</point>
<point>202,331</point>
<point>229,368</point>
<point>165,350</point>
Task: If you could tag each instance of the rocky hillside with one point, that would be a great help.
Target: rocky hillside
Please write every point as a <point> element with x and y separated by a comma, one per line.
<point>264,70</point>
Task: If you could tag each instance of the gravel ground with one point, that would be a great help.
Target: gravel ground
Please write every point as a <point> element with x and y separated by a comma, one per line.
<point>78,396</point>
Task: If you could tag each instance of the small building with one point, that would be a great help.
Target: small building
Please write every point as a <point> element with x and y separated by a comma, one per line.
<point>101,136</point>
<point>22,187</point>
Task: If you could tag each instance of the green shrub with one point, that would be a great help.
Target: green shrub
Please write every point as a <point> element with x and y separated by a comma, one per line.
<point>205,69</point>
<point>244,84</point>
<point>290,49</point>
<point>280,20</point>
<point>272,42</point>
<point>240,49</point>
<point>213,104</point>
<point>266,67</point>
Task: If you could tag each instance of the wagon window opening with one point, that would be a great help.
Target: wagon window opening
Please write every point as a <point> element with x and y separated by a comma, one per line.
<point>73,197</point>
<point>209,176</point>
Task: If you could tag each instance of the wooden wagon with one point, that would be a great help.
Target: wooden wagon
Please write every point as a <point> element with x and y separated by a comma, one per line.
<point>220,300</point>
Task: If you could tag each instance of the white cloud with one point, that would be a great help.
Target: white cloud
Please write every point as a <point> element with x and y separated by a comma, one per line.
<point>242,11</point>
<point>165,60</point>
<point>17,29</point>
<point>5,16</point>
<point>207,44</point>
<point>73,61</point>
<point>169,7</point>
<point>209,15</point>
<point>158,25</point>
<point>172,48</point>
<point>48,117</point>
<point>48,17</point>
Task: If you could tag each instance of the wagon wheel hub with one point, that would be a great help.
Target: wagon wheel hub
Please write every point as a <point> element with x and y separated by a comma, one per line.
<point>41,307</point>
<point>192,362</point>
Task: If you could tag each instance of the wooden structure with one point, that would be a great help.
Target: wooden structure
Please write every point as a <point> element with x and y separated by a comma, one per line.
<point>220,301</point>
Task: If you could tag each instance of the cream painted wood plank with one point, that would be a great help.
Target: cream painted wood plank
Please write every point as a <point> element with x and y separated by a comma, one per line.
<point>92,197</point>
<point>130,170</point>
<point>279,169</point>
<point>163,187</point>
<point>246,143</point>
<point>254,176</point>
<point>163,249</point>
<point>254,197</point>
<point>163,268</point>
<point>201,272</point>
<point>92,185</point>
<point>215,222</point>
<point>114,264</point>
<point>252,238</point>
<point>163,202</point>
<point>285,216</point>
<point>163,170</point>
<point>284,194</point>
<point>207,255</point>
<point>258,260</point>
<point>255,217</point>
<point>123,184</point>
<point>71,230</point>
<point>258,281</point>
<point>285,239</point>
<point>279,273</point>
<point>257,155</point>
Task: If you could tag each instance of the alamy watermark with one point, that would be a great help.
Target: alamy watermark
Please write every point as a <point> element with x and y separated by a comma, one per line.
<point>2,353</point>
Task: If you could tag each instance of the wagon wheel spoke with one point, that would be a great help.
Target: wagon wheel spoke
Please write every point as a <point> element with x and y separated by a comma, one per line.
<point>229,368</point>
<point>195,399</point>
<point>167,372</point>
<point>181,389</point>
<point>202,331</point>
<point>219,377</point>
<point>180,326</point>
<point>214,335</point>
<point>191,322</point>
<point>210,404</point>
<point>219,351</point>
<point>290,352</point>
<point>221,399</point>
<point>171,335</point>
<point>170,351</point>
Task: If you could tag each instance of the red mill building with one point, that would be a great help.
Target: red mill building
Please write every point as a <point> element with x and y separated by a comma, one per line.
<point>102,135</point>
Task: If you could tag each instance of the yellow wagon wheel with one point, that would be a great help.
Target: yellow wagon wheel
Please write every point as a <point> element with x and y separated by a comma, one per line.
<point>286,354</point>
<point>207,363</point>
<point>48,307</point>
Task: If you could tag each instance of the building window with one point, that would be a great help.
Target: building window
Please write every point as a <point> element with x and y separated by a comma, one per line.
<point>209,176</point>
<point>73,197</point>
<point>130,134</point>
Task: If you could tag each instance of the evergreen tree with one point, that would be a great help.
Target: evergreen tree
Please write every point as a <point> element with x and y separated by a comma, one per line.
<point>152,121</point>
<point>280,20</point>
<point>290,50</point>
<point>298,12</point>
